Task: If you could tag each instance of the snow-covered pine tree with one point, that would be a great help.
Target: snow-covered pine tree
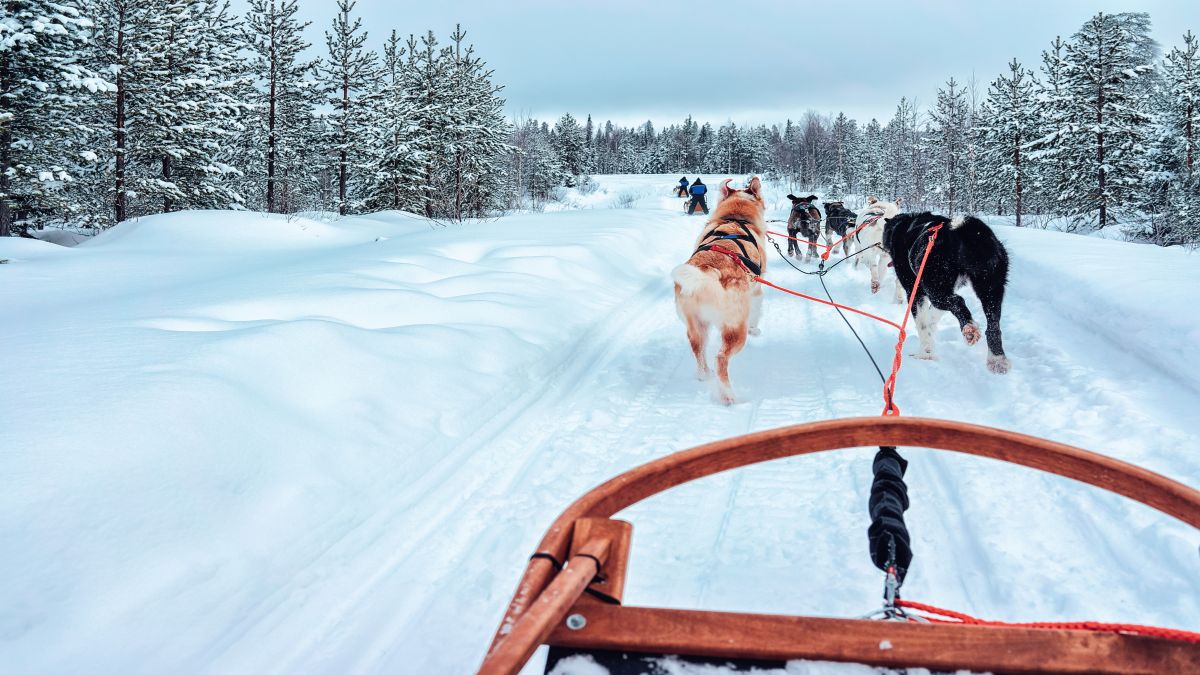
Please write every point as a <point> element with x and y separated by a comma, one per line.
<point>726,147</point>
<point>842,139</point>
<point>390,181</point>
<point>569,148</point>
<point>874,153</point>
<point>189,113</point>
<point>704,143</point>
<point>1181,116</point>
<point>1108,123</point>
<point>1048,150</point>
<point>1170,183</point>
<point>543,168</point>
<point>948,141</point>
<point>589,133</point>
<point>346,78</point>
<point>899,153</point>
<point>430,99</point>
<point>44,86</point>
<point>123,28</point>
<point>479,133</point>
<point>277,149</point>
<point>1007,120</point>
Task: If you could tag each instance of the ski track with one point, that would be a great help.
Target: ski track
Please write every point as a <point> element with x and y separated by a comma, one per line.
<point>419,587</point>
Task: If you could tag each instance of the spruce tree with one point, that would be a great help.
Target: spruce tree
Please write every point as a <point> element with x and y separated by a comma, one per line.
<point>1181,103</point>
<point>278,147</point>
<point>874,154</point>
<point>569,147</point>
<point>392,174</point>
<point>45,138</point>
<point>478,134</point>
<point>346,78</point>
<point>1108,123</point>
<point>189,113</point>
<point>948,141</point>
<point>1007,121</point>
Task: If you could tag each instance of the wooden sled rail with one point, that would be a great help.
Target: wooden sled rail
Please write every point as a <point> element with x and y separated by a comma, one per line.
<point>597,549</point>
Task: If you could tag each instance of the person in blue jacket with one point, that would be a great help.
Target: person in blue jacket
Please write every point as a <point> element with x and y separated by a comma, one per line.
<point>683,187</point>
<point>698,190</point>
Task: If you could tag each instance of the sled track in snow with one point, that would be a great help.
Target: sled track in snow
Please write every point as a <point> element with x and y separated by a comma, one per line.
<point>480,474</point>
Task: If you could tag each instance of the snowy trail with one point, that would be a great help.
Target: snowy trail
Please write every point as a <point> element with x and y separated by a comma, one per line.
<point>381,526</point>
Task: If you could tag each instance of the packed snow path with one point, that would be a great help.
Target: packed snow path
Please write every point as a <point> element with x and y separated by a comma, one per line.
<point>241,444</point>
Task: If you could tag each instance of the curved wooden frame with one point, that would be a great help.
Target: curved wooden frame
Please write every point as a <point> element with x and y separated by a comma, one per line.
<point>544,596</point>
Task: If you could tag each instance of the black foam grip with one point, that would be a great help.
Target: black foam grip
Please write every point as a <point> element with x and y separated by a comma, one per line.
<point>888,502</point>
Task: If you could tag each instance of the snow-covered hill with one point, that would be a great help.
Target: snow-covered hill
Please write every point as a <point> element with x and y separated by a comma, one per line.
<point>237,443</point>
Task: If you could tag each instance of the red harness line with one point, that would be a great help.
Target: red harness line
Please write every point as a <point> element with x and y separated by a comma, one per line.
<point>890,409</point>
<point>940,615</point>
<point>828,247</point>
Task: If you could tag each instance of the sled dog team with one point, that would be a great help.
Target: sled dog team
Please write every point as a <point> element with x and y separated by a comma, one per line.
<point>716,287</point>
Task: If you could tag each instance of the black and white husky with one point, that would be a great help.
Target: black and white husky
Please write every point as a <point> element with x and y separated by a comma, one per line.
<point>966,250</point>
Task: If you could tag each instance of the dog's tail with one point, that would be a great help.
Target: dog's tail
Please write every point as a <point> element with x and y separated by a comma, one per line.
<point>691,279</point>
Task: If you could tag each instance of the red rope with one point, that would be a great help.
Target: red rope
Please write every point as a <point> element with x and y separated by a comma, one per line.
<point>952,617</point>
<point>764,282</point>
<point>890,409</point>
<point>828,247</point>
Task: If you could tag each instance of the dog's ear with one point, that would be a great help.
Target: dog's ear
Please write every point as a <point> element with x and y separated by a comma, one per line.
<point>793,198</point>
<point>725,189</point>
<point>871,200</point>
<point>755,187</point>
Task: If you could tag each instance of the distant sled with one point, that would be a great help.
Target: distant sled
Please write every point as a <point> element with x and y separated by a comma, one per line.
<point>570,594</point>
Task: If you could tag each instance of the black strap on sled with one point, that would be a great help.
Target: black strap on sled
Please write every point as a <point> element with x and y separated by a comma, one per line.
<point>888,535</point>
<point>558,567</point>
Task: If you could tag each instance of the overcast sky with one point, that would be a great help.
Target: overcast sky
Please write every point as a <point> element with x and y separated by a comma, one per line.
<point>755,61</point>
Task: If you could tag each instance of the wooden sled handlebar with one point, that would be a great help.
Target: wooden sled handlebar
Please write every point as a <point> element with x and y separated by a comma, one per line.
<point>593,544</point>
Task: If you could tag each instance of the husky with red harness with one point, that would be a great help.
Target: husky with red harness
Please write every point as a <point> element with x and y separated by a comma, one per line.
<point>716,288</point>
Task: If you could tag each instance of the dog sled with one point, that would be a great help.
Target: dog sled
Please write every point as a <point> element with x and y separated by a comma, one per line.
<point>570,596</point>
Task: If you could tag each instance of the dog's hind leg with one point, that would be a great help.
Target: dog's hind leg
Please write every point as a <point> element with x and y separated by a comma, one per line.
<point>927,317</point>
<point>733,338</point>
<point>952,302</point>
<point>697,332</point>
<point>992,296</point>
<point>756,298</point>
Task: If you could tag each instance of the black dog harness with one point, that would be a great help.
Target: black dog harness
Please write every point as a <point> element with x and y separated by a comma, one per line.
<point>714,237</point>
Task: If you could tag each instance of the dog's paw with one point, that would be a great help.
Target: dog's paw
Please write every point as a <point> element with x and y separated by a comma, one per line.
<point>874,286</point>
<point>726,398</point>
<point>703,375</point>
<point>971,333</point>
<point>755,330</point>
<point>924,355</point>
<point>998,363</point>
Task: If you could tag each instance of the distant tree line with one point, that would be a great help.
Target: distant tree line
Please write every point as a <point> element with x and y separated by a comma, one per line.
<point>113,109</point>
<point>1104,132</point>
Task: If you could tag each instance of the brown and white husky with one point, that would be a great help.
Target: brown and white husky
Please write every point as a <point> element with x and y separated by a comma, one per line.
<point>715,288</point>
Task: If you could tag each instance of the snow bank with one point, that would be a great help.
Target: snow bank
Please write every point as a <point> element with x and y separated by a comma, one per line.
<point>201,405</point>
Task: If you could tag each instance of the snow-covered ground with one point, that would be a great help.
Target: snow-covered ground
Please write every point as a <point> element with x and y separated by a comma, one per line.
<point>238,443</point>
